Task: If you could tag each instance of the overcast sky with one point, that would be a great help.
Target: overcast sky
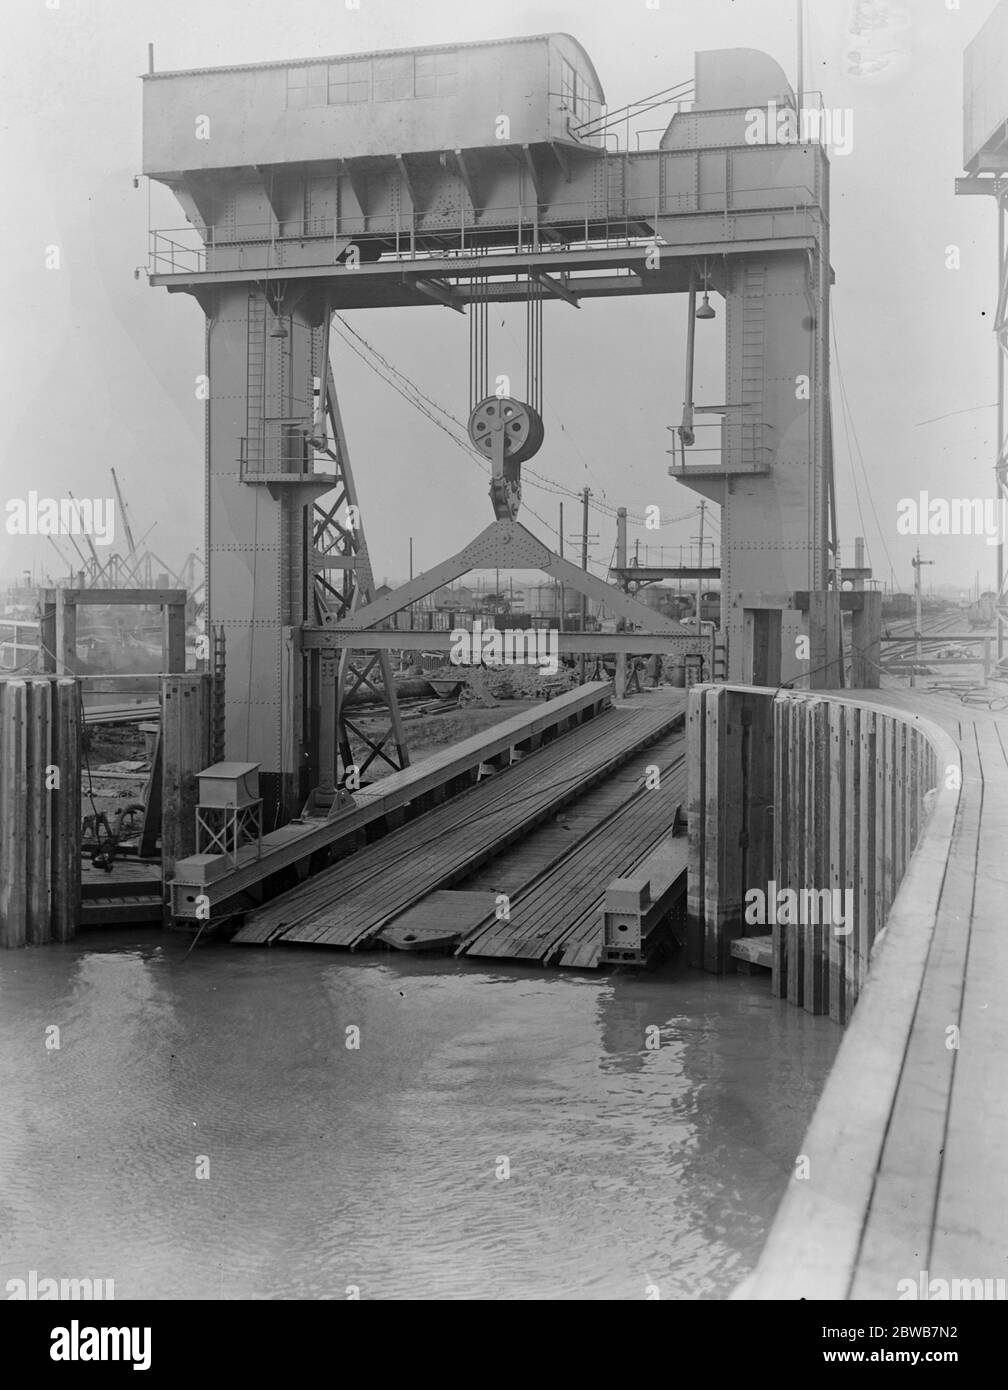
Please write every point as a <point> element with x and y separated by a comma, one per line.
<point>98,368</point>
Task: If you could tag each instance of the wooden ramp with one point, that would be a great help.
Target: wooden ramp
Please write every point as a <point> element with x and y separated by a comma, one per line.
<point>557,918</point>
<point>347,905</point>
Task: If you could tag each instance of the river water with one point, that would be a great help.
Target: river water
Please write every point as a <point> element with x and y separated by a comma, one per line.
<point>498,1133</point>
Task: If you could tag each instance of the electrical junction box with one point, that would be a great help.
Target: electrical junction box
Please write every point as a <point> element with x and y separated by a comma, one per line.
<point>229,785</point>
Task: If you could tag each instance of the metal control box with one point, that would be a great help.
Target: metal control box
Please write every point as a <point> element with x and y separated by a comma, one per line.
<point>229,785</point>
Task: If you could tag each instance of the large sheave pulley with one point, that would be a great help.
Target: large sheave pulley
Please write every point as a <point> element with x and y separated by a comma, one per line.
<point>517,424</point>
<point>507,432</point>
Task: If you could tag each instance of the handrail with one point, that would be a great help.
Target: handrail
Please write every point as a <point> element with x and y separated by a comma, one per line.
<point>168,253</point>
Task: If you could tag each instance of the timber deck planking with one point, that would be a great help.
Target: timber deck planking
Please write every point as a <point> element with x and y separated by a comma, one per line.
<point>569,894</point>
<point>511,871</point>
<point>345,905</point>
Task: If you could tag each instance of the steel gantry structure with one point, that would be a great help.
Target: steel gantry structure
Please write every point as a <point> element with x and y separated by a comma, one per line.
<point>985,158</point>
<point>443,178</point>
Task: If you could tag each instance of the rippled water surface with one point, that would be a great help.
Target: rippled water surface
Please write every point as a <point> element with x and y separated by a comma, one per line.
<point>378,1168</point>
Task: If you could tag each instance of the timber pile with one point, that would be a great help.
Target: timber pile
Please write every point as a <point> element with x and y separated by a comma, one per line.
<point>486,686</point>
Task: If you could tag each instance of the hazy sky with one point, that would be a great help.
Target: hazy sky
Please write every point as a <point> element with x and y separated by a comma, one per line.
<point>98,368</point>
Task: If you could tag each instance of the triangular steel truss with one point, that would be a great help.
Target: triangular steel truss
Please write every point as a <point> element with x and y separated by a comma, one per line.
<point>508,545</point>
<point>343,581</point>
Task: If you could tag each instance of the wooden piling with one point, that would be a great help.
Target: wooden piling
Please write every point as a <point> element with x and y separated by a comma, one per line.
<point>848,787</point>
<point>819,929</point>
<point>852,835</point>
<point>38,754</point>
<point>792,867</point>
<point>696,794</point>
<point>13,812</point>
<point>838,852</point>
<point>782,835</point>
<point>65,811</point>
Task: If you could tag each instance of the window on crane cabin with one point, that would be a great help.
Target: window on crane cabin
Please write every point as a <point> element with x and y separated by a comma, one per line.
<point>349,82</point>
<point>435,75</point>
<point>393,77</point>
<point>306,86</point>
<point>582,103</point>
<point>568,82</point>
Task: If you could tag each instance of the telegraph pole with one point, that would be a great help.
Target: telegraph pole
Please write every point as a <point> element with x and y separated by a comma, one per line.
<point>585,494</point>
<point>562,598</point>
<point>621,559</point>
<point>699,586</point>
<point>917,562</point>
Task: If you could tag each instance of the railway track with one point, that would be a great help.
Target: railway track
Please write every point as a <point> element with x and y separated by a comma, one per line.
<point>935,628</point>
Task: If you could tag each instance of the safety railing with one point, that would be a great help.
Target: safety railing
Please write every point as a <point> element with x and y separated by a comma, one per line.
<point>281,449</point>
<point>408,236</point>
<point>667,556</point>
<point>740,444</point>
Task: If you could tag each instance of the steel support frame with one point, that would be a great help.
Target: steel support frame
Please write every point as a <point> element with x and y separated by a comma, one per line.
<point>704,202</point>
<point>996,187</point>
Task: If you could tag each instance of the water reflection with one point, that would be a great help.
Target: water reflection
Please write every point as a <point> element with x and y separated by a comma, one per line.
<point>383,1167</point>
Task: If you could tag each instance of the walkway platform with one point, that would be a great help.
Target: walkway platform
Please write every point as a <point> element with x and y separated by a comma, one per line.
<point>907,1179</point>
<point>348,905</point>
<point>131,893</point>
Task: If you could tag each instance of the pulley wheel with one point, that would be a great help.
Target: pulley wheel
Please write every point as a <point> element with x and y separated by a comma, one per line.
<point>520,425</point>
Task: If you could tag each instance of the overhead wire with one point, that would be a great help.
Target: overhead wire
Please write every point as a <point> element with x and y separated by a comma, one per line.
<point>845,404</point>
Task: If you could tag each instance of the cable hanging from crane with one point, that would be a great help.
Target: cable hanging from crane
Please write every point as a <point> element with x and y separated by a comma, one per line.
<point>406,387</point>
<point>479,382</point>
<point>533,344</point>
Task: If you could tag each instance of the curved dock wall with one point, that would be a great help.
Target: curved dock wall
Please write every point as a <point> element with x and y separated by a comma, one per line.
<point>805,810</point>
